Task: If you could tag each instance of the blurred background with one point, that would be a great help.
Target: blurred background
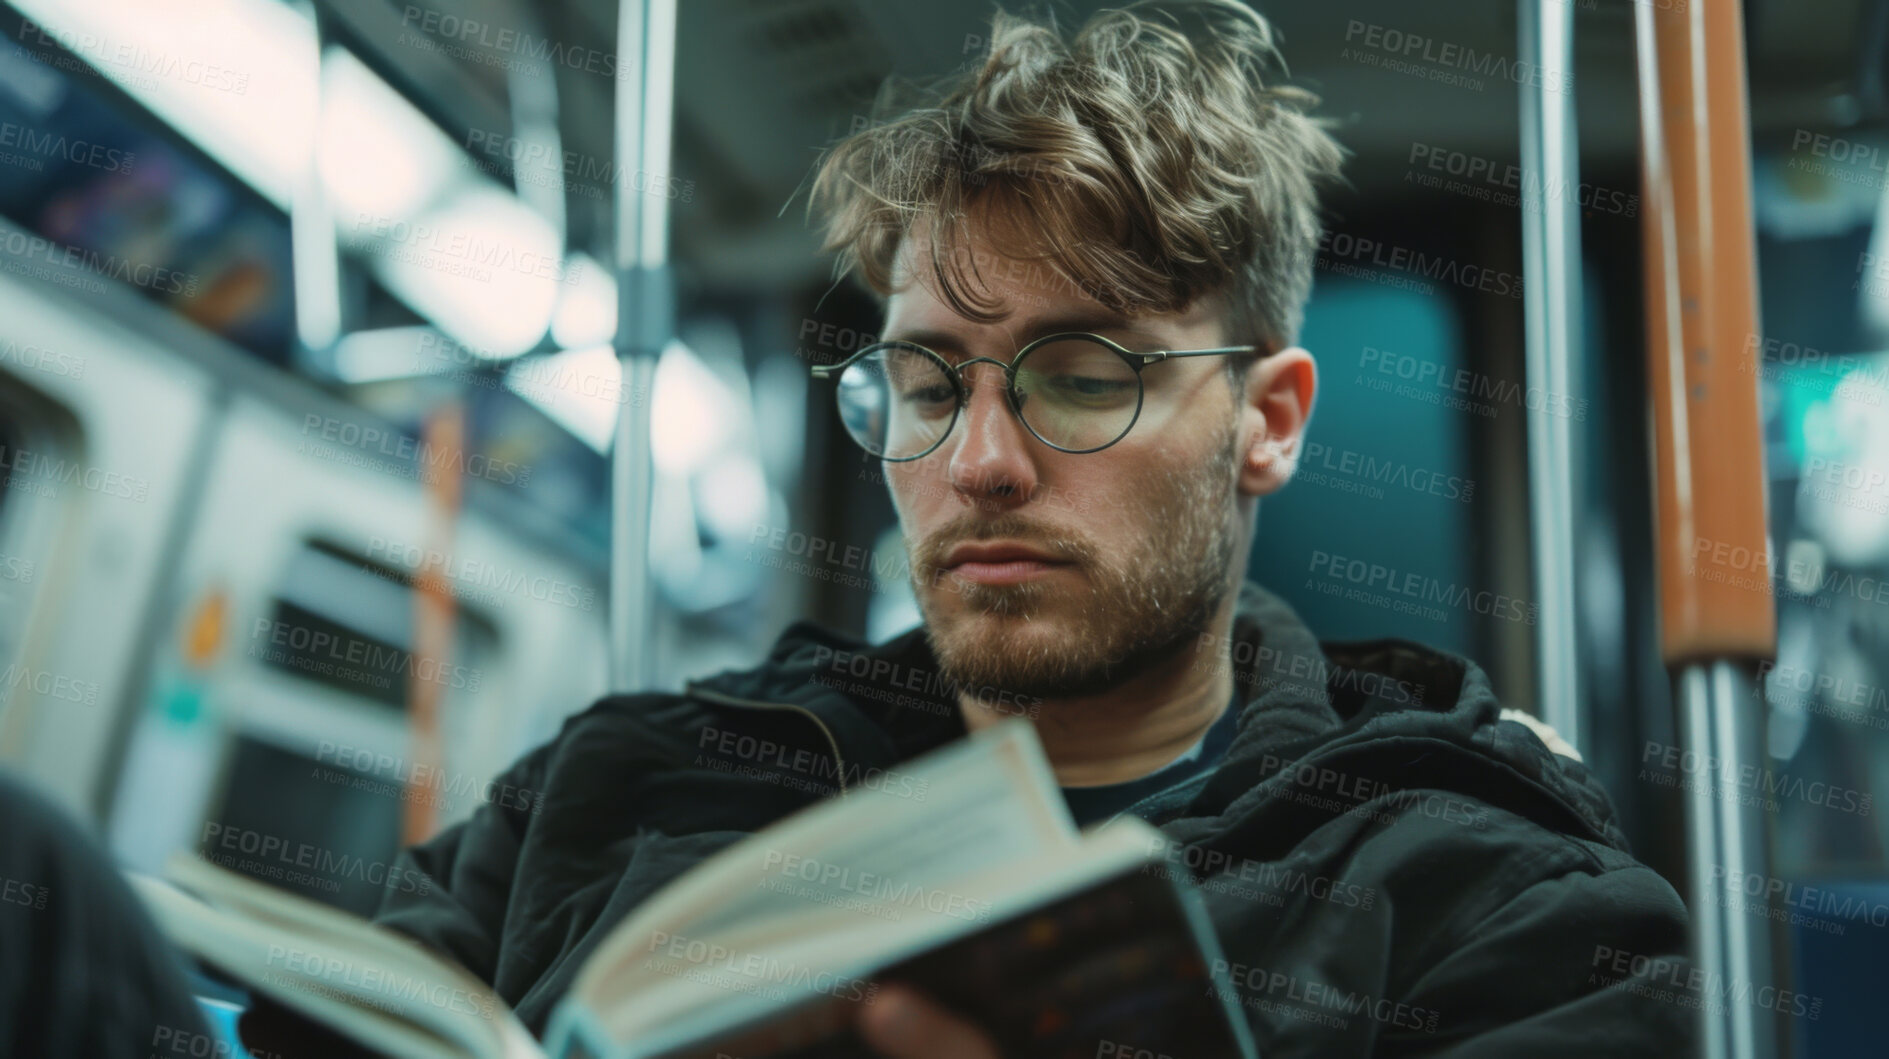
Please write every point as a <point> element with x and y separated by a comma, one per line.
<point>306,397</point>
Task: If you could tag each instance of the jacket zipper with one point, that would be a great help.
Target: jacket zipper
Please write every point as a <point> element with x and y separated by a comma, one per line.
<point>839,763</point>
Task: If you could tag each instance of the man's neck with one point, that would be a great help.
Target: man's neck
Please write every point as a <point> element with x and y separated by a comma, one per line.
<point>1132,730</point>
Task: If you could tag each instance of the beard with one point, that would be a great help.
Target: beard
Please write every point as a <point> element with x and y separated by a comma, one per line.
<point>1040,638</point>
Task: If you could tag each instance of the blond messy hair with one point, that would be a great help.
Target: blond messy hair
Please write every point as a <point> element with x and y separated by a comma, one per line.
<point>1151,156</point>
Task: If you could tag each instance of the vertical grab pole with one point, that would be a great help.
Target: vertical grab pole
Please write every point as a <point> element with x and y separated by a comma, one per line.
<point>1701,294</point>
<point>435,624</point>
<point>646,42</point>
<point>1551,259</point>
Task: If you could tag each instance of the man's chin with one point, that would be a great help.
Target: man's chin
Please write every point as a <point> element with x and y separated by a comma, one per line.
<point>963,603</point>
<point>991,630</point>
<point>1022,650</point>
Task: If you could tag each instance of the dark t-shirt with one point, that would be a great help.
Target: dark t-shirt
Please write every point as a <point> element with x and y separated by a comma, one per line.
<point>1094,804</point>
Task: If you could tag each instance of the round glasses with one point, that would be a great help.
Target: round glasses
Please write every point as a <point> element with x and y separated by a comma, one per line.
<point>1075,392</point>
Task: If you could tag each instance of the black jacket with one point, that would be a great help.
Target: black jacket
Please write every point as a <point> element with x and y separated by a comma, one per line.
<point>1391,869</point>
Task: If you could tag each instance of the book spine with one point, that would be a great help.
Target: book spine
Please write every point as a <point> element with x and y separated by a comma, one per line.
<point>1194,907</point>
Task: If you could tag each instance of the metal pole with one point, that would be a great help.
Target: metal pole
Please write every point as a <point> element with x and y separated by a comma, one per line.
<point>646,40</point>
<point>1551,259</point>
<point>1725,839</point>
<point>1701,297</point>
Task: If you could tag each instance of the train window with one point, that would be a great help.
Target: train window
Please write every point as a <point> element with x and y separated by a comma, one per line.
<point>333,782</point>
<point>345,621</point>
<point>432,287</point>
<point>1821,205</point>
<point>32,428</point>
<point>1823,363</point>
<point>350,830</point>
<point>1392,446</point>
<point>9,442</point>
<point>16,570</point>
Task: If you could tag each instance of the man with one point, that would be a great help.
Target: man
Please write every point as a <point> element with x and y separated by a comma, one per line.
<point>1362,822</point>
<point>1390,867</point>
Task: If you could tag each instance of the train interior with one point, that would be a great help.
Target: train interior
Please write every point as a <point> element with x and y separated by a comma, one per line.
<point>306,312</point>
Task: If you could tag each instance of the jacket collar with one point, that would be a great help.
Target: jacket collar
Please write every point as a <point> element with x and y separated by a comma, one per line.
<point>1370,706</point>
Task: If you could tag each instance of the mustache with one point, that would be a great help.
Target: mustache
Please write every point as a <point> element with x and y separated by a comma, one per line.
<point>1064,545</point>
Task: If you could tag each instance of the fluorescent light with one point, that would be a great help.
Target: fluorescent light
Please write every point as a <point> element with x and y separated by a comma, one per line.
<point>733,492</point>
<point>239,79</point>
<point>695,422</point>
<point>675,547</point>
<point>694,416</point>
<point>389,353</point>
<point>580,389</point>
<point>587,308</point>
<point>379,155</point>
<point>481,265</point>
<point>236,77</point>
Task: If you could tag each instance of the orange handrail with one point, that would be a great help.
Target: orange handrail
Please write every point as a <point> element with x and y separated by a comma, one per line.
<point>1702,297</point>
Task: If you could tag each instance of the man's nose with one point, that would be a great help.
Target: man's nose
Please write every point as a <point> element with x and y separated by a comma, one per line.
<point>991,461</point>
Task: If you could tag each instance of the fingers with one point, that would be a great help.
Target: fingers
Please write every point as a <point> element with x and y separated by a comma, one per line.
<point>901,1024</point>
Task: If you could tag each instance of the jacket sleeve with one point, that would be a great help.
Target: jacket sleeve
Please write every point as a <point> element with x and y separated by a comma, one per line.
<point>456,886</point>
<point>1578,965</point>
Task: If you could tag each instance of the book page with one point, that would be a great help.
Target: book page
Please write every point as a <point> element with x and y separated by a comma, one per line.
<point>371,983</point>
<point>294,914</point>
<point>967,828</point>
<point>981,802</point>
<point>740,977</point>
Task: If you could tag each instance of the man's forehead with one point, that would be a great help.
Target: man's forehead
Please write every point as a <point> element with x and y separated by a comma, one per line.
<point>998,282</point>
<point>1027,295</point>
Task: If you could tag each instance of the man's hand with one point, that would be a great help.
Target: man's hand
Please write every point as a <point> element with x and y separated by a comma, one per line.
<point>899,1023</point>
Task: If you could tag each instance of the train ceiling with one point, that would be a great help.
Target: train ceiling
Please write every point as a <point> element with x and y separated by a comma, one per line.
<point>762,84</point>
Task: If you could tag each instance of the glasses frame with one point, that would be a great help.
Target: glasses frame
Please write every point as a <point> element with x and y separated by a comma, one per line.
<point>955,372</point>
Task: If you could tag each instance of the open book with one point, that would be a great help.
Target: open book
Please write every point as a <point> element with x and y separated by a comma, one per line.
<point>965,879</point>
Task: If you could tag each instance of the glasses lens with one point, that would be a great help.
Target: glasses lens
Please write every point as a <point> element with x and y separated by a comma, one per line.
<point>897,402</point>
<point>1077,394</point>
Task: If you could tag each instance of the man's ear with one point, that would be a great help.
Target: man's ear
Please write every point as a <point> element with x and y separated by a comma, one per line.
<point>1275,410</point>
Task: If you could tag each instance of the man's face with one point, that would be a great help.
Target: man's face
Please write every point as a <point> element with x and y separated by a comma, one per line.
<point>1053,574</point>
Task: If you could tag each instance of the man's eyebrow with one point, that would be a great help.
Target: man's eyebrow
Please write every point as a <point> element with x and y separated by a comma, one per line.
<point>945,342</point>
